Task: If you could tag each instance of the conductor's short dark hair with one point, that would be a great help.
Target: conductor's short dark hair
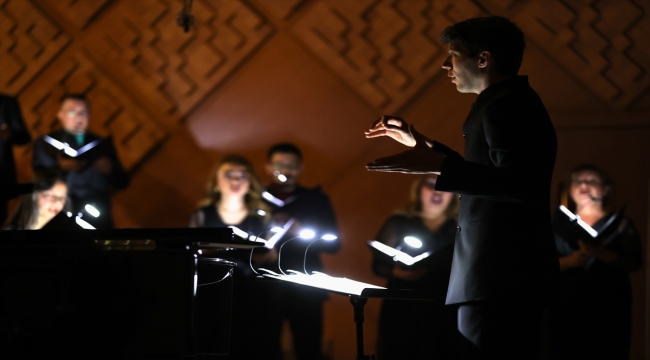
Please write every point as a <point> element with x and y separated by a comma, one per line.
<point>502,38</point>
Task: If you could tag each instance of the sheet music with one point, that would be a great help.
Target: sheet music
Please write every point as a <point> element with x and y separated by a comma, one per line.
<point>323,281</point>
<point>69,150</point>
<point>397,254</point>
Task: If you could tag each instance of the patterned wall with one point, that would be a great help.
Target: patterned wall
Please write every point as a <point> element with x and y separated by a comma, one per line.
<point>143,74</point>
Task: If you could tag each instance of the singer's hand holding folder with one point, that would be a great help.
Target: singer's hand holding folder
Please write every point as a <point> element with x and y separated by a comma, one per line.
<point>398,255</point>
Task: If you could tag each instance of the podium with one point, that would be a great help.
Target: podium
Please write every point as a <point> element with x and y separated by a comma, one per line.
<point>359,293</point>
<point>106,294</point>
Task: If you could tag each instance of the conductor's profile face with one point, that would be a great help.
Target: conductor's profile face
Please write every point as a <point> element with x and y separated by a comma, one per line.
<point>462,69</point>
<point>74,116</point>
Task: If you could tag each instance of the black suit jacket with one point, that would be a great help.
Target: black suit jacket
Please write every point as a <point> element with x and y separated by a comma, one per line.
<point>504,243</point>
<point>10,115</point>
<point>88,185</point>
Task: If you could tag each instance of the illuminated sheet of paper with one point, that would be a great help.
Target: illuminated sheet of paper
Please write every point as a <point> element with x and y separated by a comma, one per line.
<point>323,281</point>
<point>397,254</point>
<point>579,221</point>
<point>270,243</point>
<point>66,147</point>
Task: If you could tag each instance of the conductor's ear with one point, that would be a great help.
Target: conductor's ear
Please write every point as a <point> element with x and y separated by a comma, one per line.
<point>484,59</point>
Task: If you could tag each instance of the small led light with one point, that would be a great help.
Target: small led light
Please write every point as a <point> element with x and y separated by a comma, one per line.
<point>282,178</point>
<point>329,237</point>
<point>239,232</point>
<point>307,234</point>
<point>92,210</point>
<point>275,229</point>
<point>83,223</point>
<point>413,242</point>
<point>261,212</point>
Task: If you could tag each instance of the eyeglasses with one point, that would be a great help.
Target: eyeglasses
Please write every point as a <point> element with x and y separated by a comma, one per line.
<point>73,113</point>
<point>588,182</point>
<point>53,198</point>
<point>430,184</point>
<point>231,175</point>
<point>280,166</point>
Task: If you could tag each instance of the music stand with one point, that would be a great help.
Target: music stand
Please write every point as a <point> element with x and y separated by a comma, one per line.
<point>358,292</point>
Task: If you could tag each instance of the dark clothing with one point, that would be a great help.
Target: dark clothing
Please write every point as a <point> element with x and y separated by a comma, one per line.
<point>87,185</point>
<point>504,246</point>
<point>591,315</point>
<point>11,116</point>
<point>505,329</point>
<point>417,329</point>
<point>256,323</point>
<point>311,209</point>
<point>504,250</point>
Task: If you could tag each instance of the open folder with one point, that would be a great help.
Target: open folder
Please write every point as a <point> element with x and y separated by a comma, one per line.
<point>90,151</point>
<point>322,281</point>
<point>397,254</point>
<point>575,228</point>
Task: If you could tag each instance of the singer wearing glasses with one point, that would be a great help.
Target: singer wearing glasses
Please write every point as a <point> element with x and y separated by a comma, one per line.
<point>91,180</point>
<point>419,329</point>
<point>35,210</point>
<point>590,318</point>
<point>233,197</point>
<point>309,209</point>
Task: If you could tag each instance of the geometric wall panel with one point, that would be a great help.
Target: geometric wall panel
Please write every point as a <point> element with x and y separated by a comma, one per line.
<point>77,13</point>
<point>29,40</point>
<point>605,44</point>
<point>385,50</point>
<point>174,70</point>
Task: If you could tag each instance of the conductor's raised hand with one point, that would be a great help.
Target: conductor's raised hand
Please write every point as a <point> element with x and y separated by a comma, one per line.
<point>394,127</point>
<point>418,160</point>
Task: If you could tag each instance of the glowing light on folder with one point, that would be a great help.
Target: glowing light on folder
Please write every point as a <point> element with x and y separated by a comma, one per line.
<point>272,199</point>
<point>398,255</point>
<point>92,210</point>
<point>580,222</point>
<point>83,223</point>
<point>413,242</point>
<point>239,232</point>
<point>307,234</point>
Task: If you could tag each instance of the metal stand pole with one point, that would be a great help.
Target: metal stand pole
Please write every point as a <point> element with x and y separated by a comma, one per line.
<point>357,304</point>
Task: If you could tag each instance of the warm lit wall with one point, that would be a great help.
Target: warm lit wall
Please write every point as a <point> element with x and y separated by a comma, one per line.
<point>318,72</point>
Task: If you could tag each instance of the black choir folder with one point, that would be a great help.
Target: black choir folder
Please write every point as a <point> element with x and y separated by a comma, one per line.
<point>398,255</point>
<point>576,229</point>
<point>88,152</point>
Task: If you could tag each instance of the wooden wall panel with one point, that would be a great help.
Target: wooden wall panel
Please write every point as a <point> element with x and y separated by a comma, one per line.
<point>385,50</point>
<point>605,44</point>
<point>173,69</point>
<point>78,13</point>
<point>29,41</point>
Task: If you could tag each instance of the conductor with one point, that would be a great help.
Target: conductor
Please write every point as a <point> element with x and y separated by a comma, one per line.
<point>504,262</point>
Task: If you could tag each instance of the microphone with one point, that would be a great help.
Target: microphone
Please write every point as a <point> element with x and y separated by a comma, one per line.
<point>185,18</point>
<point>326,237</point>
<point>595,199</point>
